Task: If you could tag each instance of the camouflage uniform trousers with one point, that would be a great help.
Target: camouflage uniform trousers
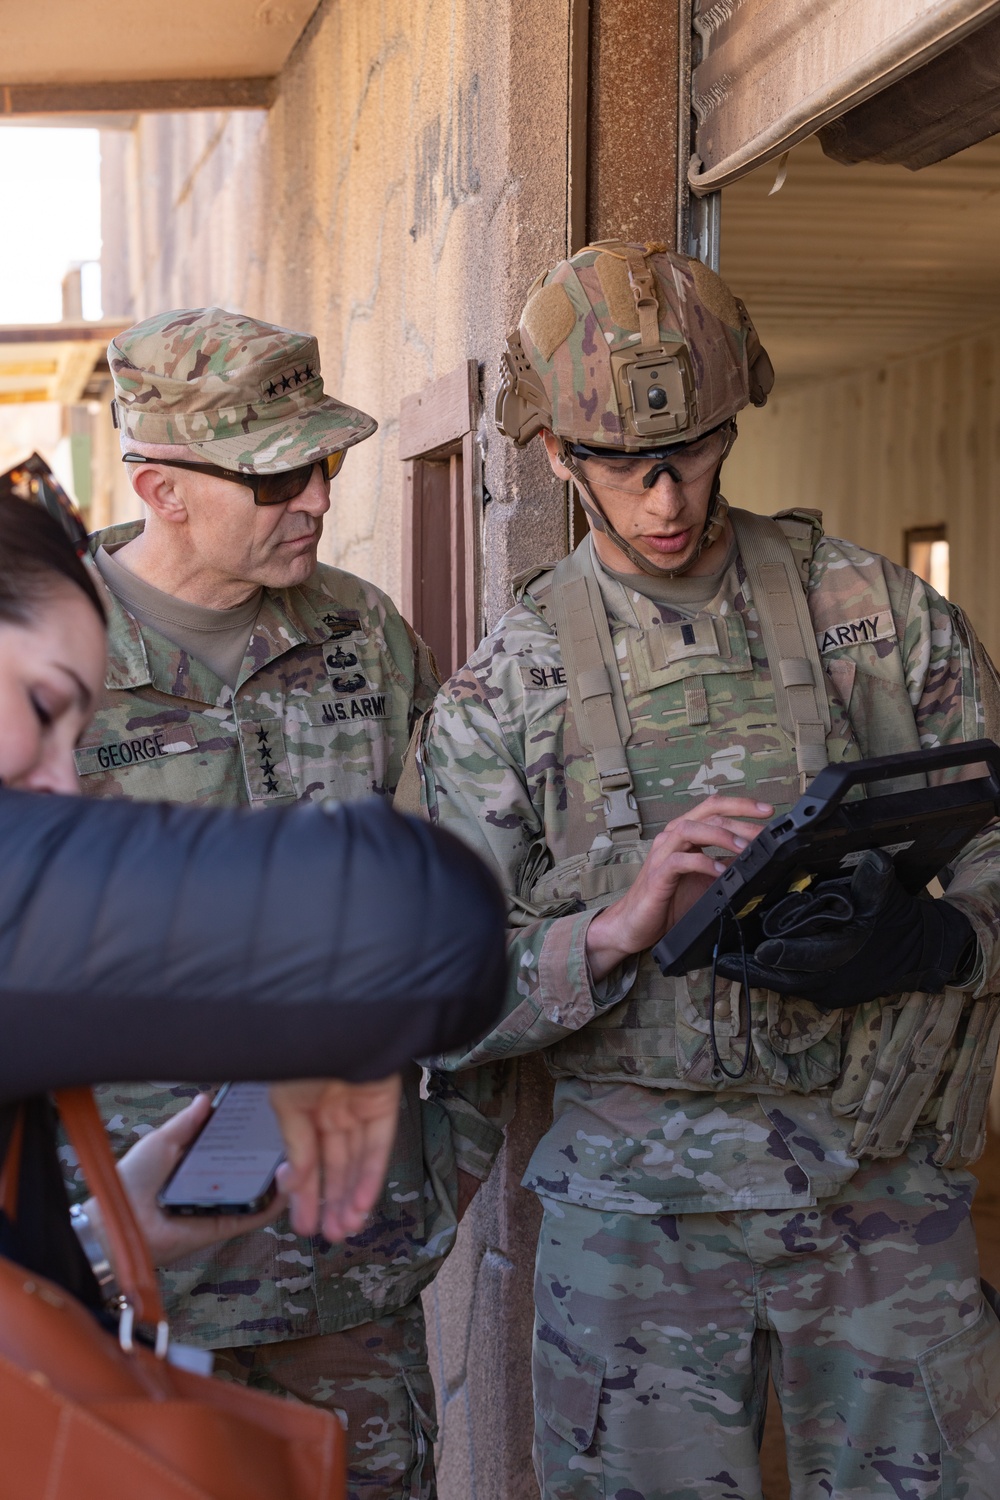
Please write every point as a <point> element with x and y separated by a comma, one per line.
<point>376,1378</point>
<point>654,1337</point>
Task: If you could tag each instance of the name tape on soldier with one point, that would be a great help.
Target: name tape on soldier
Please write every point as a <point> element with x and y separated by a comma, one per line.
<point>137,749</point>
<point>538,677</point>
<point>877,627</point>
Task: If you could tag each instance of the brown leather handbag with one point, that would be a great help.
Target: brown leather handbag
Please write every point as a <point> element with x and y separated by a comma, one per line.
<point>84,1416</point>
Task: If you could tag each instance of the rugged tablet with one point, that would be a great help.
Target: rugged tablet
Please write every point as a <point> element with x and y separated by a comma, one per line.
<point>825,835</point>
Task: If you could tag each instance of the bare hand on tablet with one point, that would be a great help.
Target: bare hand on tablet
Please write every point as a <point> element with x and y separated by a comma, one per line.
<point>676,872</point>
<point>338,1137</point>
<point>144,1169</point>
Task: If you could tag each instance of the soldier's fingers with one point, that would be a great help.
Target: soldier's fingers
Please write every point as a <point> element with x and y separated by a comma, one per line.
<point>691,863</point>
<point>746,830</point>
<point>736,807</point>
<point>703,816</point>
<point>692,833</point>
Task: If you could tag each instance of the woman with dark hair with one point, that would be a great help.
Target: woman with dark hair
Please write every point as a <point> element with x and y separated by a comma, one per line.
<point>262,934</point>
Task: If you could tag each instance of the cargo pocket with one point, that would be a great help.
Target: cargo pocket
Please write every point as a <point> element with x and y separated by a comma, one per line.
<point>692,1029</point>
<point>567,1381</point>
<point>423,1434</point>
<point>805,1043</point>
<point>962,1380</point>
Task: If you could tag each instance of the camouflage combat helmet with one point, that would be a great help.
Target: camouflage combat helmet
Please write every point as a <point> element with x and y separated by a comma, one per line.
<point>631,348</point>
<point>247,396</point>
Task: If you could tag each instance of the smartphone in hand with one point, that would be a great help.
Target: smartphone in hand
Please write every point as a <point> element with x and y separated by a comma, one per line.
<point>229,1167</point>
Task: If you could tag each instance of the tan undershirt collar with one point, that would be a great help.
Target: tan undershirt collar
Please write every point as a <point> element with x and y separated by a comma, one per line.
<point>216,637</point>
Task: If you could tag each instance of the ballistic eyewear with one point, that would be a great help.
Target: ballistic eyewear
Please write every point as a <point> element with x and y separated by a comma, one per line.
<point>268,489</point>
<point>635,472</point>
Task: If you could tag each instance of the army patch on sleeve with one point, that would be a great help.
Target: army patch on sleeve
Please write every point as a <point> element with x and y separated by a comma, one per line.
<point>865,629</point>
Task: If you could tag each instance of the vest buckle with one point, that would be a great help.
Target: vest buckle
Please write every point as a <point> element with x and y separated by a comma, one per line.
<point>620,808</point>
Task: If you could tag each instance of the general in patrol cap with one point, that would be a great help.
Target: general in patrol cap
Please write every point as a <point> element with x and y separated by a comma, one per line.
<point>245,395</point>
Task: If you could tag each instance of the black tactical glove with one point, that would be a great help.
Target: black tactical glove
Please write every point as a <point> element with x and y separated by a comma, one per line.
<point>855,939</point>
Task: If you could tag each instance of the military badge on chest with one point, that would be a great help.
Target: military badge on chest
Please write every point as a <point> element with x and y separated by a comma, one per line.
<point>265,761</point>
<point>343,624</point>
<point>346,656</point>
<point>345,652</point>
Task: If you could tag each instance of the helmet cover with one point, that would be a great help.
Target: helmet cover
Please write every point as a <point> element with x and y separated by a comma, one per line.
<point>629,346</point>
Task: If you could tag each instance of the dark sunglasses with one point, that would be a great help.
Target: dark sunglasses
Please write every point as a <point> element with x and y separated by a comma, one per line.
<point>268,489</point>
<point>33,480</point>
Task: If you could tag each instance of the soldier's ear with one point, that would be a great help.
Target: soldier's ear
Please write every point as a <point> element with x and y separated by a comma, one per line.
<point>156,486</point>
<point>553,447</point>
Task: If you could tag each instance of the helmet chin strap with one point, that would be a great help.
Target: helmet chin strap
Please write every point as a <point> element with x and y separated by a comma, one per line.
<point>715,521</point>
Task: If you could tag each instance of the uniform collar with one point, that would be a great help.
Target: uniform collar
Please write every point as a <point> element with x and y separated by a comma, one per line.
<point>128,661</point>
<point>305,615</point>
<point>636,609</point>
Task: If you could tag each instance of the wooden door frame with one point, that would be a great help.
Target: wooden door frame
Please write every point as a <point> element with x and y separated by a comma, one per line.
<point>438,424</point>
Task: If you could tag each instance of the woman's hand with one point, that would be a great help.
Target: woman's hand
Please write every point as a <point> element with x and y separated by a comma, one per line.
<point>144,1169</point>
<point>338,1137</point>
<point>676,872</point>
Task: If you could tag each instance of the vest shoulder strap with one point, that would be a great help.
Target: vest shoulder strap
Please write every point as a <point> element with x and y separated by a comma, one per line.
<point>789,640</point>
<point>520,581</point>
<point>803,529</point>
<point>595,687</point>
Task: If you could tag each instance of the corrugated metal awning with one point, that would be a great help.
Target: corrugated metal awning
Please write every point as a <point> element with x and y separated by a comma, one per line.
<point>950,103</point>
<point>775,71</point>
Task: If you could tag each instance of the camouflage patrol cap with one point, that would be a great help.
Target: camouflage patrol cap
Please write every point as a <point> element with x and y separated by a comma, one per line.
<point>629,346</point>
<point>242,394</point>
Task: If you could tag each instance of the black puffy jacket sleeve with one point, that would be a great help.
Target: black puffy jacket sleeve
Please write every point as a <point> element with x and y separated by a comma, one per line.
<point>148,941</point>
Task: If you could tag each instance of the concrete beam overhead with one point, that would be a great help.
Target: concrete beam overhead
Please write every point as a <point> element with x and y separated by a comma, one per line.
<point>56,44</point>
<point>28,102</point>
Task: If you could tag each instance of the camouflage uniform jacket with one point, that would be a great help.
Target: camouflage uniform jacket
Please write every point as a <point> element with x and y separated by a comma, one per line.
<point>332,682</point>
<point>641,1121</point>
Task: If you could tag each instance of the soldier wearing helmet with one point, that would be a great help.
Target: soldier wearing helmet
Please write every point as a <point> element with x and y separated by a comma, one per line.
<point>759,1167</point>
<point>621,398</point>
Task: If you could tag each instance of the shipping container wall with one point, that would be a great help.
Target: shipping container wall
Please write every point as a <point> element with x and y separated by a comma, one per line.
<point>910,443</point>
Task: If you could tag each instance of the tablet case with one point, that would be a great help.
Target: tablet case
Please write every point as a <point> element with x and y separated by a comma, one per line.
<point>826,833</point>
